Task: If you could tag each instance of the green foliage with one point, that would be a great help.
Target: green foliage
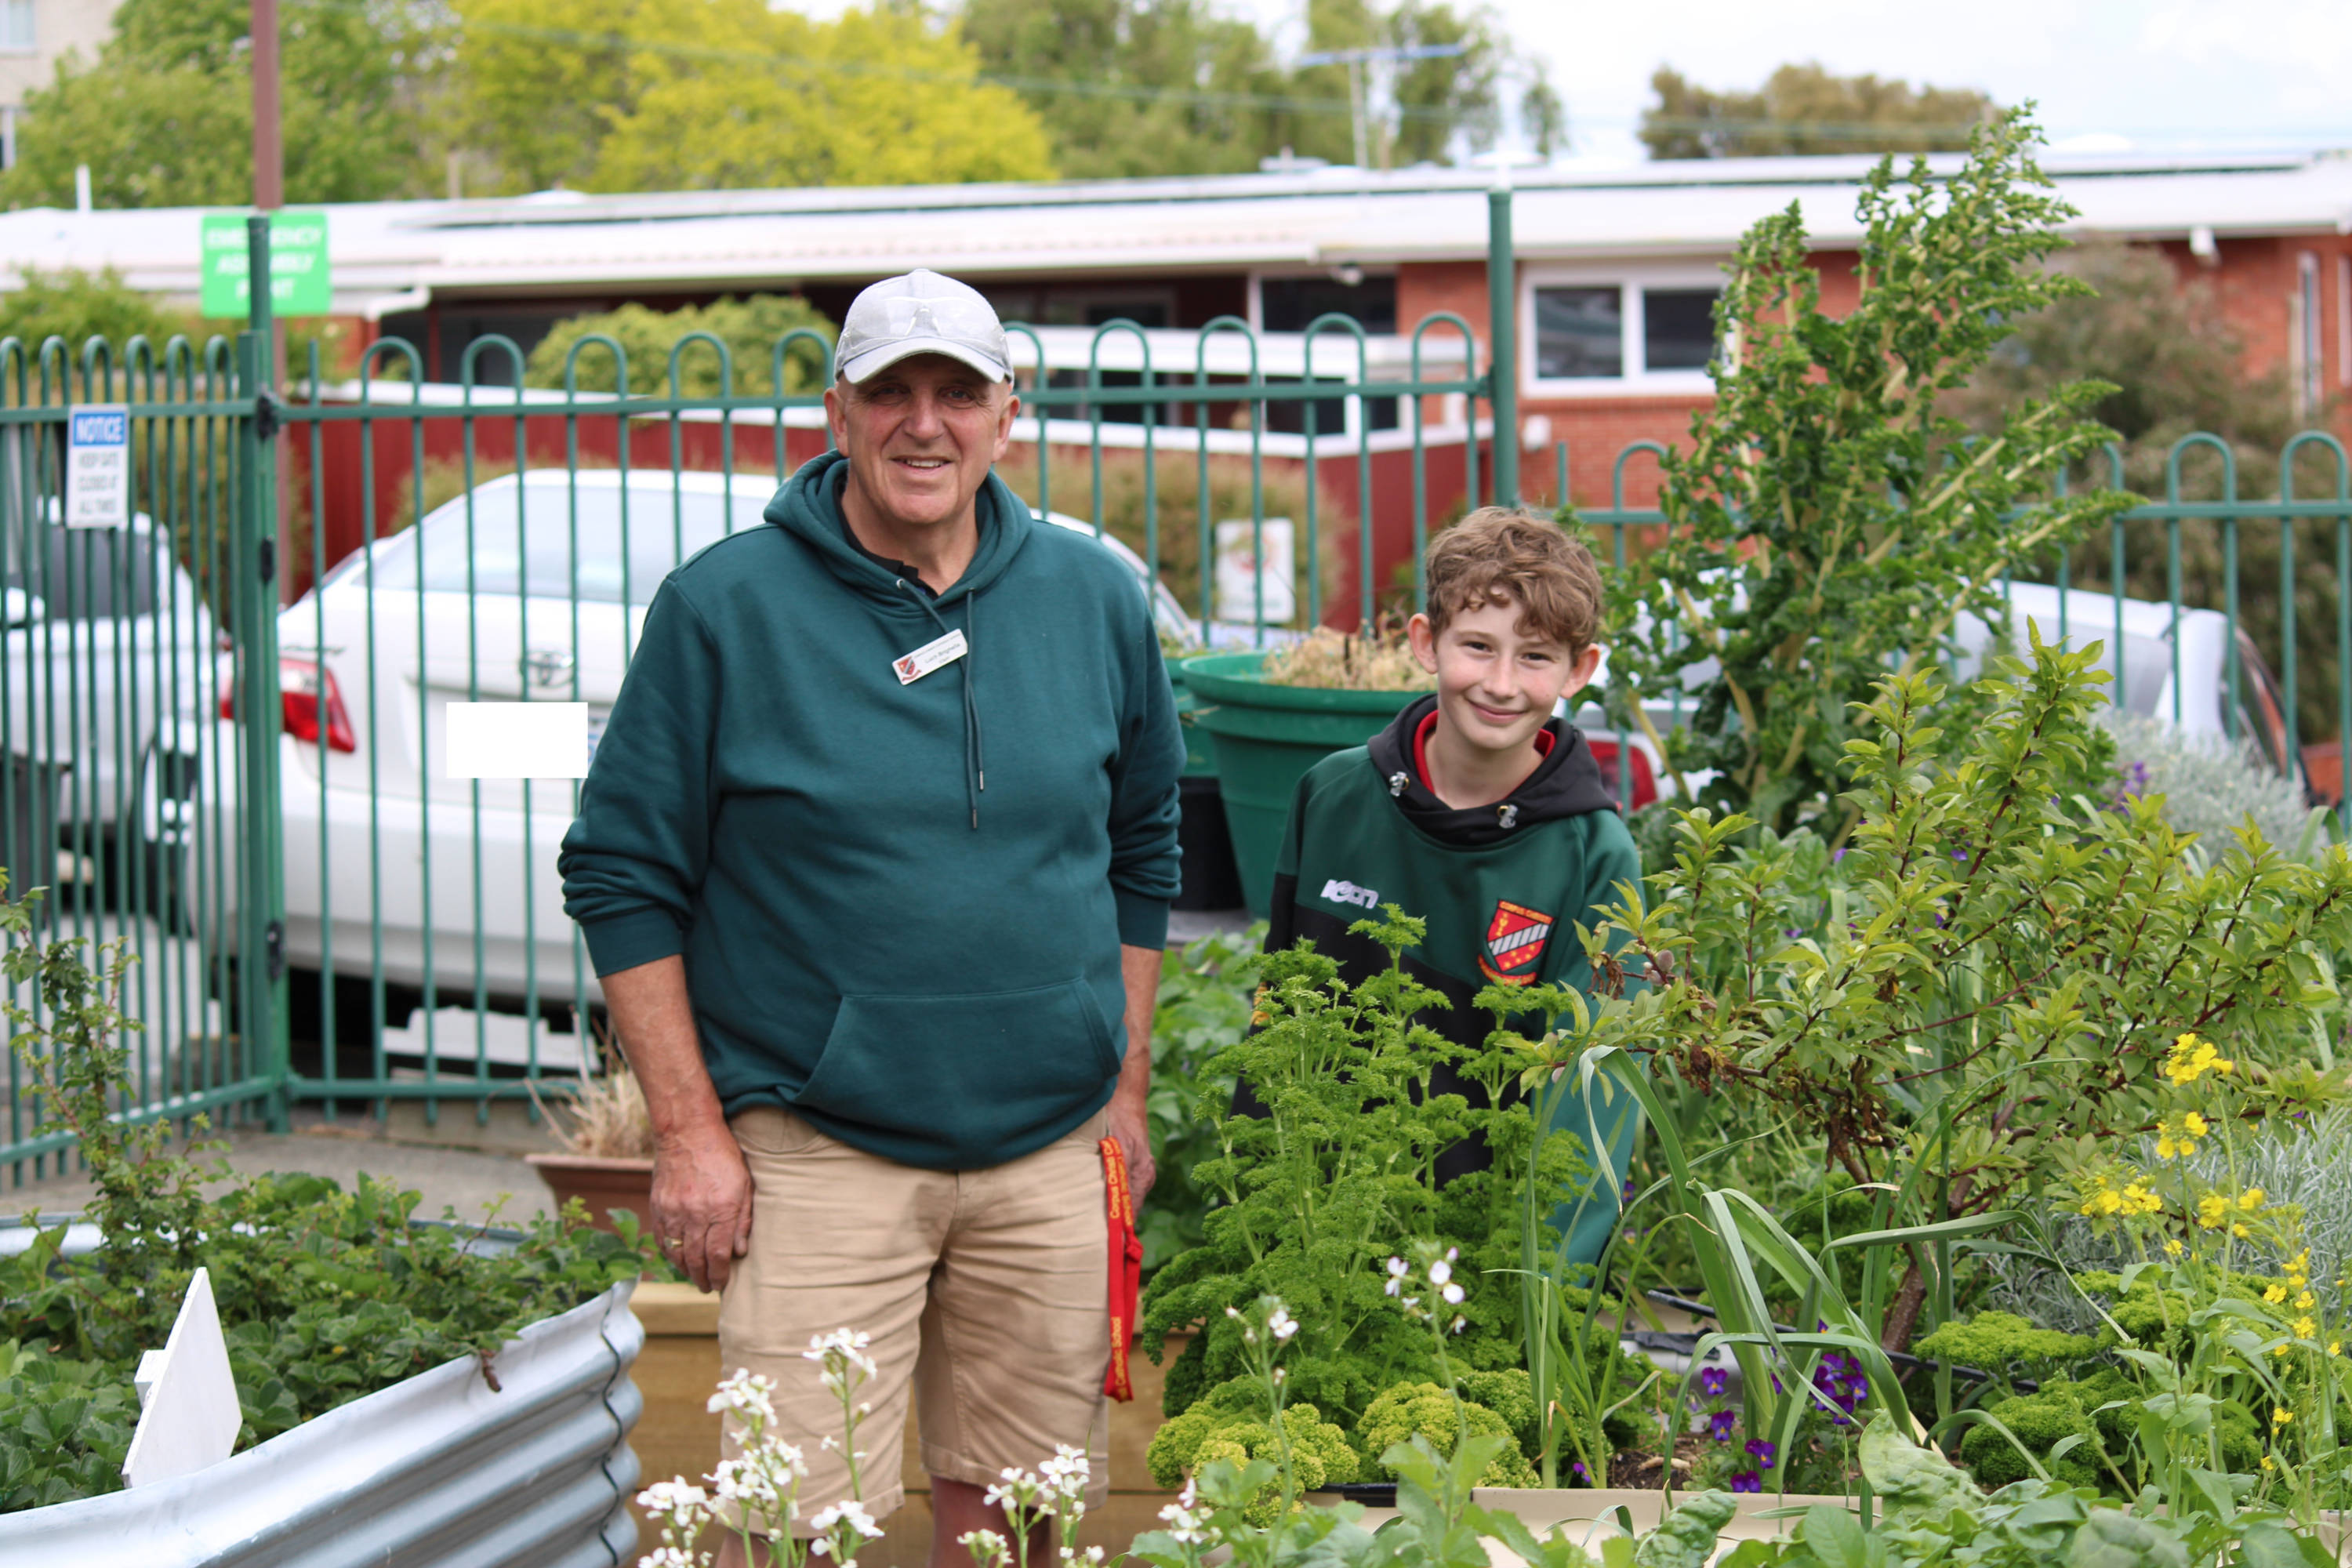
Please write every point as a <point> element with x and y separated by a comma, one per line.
<point>1205,997</point>
<point>751,329</point>
<point>1999,1341</point>
<point>2094,1412</point>
<point>163,117</point>
<point>1315,1195</point>
<point>78,306</point>
<point>1317,1451</point>
<point>640,95</point>
<point>65,1427</point>
<point>2210,784</point>
<point>1179,87</point>
<point>1823,489</point>
<point>1426,1410</point>
<point>1685,1536</point>
<point>1934,1026</point>
<point>1804,109</point>
<point>323,1295</point>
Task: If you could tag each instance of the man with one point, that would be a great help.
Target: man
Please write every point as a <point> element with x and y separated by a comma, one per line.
<point>875,858</point>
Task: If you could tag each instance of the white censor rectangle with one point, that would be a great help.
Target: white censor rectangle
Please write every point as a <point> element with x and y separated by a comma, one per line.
<point>516,741</point>
<point>98,465</point>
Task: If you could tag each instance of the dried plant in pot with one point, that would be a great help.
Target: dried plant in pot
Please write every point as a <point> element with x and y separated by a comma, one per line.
<point>608,1159</point>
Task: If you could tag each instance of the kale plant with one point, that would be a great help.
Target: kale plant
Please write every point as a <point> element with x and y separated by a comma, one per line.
<point>1317,1195</point>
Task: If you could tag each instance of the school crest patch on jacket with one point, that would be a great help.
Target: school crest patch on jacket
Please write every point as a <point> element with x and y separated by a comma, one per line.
<point>1514,948</point>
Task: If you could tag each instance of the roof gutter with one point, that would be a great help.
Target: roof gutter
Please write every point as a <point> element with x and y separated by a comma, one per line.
<point>384,305</point>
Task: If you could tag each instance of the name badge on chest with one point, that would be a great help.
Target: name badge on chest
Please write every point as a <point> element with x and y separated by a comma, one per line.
<point>911,668</point>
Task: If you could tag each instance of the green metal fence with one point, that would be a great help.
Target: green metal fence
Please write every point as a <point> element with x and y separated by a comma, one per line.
<point>227,718</point>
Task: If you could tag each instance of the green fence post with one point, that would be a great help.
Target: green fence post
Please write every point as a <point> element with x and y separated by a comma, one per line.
<point>261,935</point>
<point>1502,357</point>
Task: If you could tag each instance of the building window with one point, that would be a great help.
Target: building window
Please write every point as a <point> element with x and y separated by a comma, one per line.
<point>16,25</point>
<point>1585,334</point>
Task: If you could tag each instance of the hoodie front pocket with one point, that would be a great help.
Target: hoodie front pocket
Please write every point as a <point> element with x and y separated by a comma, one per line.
<point>963,1078</point>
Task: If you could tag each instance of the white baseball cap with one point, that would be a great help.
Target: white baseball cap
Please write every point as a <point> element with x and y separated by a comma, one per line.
<point>920,312</point>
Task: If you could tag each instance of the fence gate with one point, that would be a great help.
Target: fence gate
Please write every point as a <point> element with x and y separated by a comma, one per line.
<point>139,554</point>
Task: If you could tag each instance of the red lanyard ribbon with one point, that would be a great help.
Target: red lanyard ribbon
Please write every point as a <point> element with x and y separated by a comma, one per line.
<point>1126,1269</point>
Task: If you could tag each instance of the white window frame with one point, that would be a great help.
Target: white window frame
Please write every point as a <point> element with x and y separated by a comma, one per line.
<point>1634,280</point>
<point>31,46</point>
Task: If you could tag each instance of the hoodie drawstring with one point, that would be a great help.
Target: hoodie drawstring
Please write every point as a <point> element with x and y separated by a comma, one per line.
<point>975,765</point>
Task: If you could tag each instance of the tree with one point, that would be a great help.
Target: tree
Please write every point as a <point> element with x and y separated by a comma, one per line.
<point>1171,87</point>
<point>621,95</point>
<point>1804,109</point>
<point>750,328</point>
<point>1135,87</point>
<point>163,117</point>
<point>79,306</point>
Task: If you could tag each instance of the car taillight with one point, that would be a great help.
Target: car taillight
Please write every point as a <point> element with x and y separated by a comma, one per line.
<point>1645,780</point>
<point>304,686</point>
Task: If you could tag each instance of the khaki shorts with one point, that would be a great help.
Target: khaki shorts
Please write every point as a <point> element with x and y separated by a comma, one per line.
<point>986,1293</point>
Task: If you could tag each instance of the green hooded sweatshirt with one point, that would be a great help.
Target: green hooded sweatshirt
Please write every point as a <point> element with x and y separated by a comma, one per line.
<point>900,904</point>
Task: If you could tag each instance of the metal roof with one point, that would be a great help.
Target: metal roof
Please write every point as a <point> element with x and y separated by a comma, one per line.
<point>569,242</point>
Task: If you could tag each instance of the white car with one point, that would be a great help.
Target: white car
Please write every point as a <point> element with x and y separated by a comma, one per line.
<point>451,884</point>
<point>108,639</point>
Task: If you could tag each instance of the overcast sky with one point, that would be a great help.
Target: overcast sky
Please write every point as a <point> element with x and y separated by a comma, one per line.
<point>2162,73</point>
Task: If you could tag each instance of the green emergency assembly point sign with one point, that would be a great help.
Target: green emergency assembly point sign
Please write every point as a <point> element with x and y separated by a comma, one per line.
<point>298,284</point>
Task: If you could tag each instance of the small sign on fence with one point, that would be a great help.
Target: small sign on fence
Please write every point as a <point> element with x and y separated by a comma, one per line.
<point>98,465</point>
<point>1253,558</point>
<point>299,282</point>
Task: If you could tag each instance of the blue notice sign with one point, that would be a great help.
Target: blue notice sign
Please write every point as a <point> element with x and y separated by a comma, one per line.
<point>98,465</point>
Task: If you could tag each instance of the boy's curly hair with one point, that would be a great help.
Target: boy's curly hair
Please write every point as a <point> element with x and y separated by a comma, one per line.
<point>1501,555</point>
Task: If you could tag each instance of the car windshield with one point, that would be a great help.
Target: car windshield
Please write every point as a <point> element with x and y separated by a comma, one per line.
<point>535,557</point>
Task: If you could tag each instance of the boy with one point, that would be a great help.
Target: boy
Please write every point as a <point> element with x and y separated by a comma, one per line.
<point>1480,813</point>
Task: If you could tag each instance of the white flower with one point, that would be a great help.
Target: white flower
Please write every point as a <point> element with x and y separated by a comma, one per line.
<point>743,1482</point>
<point>672,1557</point>
<point>1282,1324</point>
<point>986,1546</point>
<point>1182,1523</point>
<point>1452,1294</point>
<point>1280,1373</point>
<point>839,1352</point>
<point>674,1499</point>
<point>1393,1286</point>
<point>1440,1272</point>
<point>1399,1268</point>
<point>1068,1471</point>
<point>1092,1556</point>
<point>1460,1323</point>
<point>749,1395</point>
<point>1451,1253</point>
<point>850,1513</point>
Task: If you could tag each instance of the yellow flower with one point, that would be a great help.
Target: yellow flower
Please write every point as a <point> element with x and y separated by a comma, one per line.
<point>2281,1347</point>
<point>2269,1463</point>
<point>2281,1417</point>
<point>2274,1294</point>
<point>2250,1199</point>
<point>2211,1209</point>
<point>2304,1303</point>
<point>2194,1125</point>
<point>2172,1248</point>
<point>2336,1347</point>
<point>2304,1328</point>
<point>2193,1058</point>
<point>2241,1232</point>
<point>2138,1199</point>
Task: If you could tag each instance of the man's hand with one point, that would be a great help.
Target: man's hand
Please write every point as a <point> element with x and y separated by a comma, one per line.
<point>702,1203</point>
<point>1130,1121</point>
<point>702,1193</point>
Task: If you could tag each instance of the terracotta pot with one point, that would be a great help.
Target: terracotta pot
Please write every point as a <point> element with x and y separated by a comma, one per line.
<point>602,1183</point>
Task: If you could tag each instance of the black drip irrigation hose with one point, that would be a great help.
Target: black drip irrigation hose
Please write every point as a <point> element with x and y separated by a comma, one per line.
<point>1903,1358</point>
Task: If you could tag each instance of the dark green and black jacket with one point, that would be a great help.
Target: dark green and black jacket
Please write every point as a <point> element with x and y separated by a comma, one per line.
<point>1502,888</point>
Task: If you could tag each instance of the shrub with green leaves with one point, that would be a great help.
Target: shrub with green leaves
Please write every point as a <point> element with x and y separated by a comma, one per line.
<point>752,329</point>
<point>2009,962</point>
<point>1827,521</point>
<point>2210,786</point>
<point>1205,997</point>
<point>323,1295</point>
<point>2002,1343</point>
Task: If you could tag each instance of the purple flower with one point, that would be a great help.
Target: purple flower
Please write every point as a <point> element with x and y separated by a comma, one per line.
<point>1721,1425</point>
<point>1959,855</point>
<point>1627,1196</point>
<point>1747,1481</point>
<point>1764,1449</point>
<point>1577,1468</point>
<point>1836,856</point>
<point>1713,1381</point>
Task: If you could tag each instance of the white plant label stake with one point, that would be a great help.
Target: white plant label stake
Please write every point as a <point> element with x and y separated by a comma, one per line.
<point>189,1414</point>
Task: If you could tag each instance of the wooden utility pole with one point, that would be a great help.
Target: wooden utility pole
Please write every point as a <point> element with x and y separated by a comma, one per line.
<point>268,196</point>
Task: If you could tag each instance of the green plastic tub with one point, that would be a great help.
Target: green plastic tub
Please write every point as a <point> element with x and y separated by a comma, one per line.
<point>1266,738</point>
